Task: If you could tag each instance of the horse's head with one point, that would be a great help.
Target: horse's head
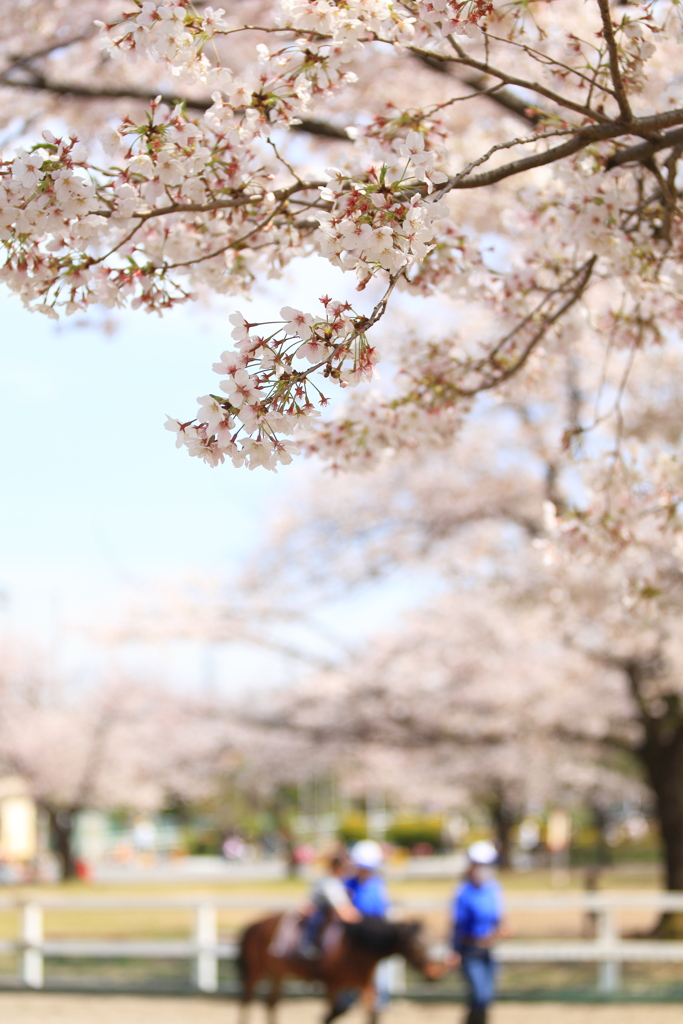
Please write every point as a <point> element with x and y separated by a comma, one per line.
<point>410,945</point>
<point>387,938</point>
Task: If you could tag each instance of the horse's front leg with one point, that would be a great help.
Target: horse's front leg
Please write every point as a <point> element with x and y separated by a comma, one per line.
<point>370,1002</point>
<point>244,1010</point>
<point>248,984</point>
<point>274,997</point>
<point>339,1002</point>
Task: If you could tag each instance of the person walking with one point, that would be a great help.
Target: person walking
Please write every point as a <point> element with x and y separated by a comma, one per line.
<point>366,887</point>
<point>368,893</point>
<point>477,924</point>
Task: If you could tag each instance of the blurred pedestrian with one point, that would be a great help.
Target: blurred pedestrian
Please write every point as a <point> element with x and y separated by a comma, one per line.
<point>329,900</point>
<point>234,847</point>
<point>477,924</point>
<point>366,887</point>
<point>369,895</point>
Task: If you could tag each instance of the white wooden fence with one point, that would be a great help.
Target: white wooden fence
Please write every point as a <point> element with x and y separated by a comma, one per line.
<point>204,948</point>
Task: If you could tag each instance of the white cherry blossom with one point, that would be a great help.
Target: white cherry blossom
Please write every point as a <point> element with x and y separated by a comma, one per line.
<point>298,322</point>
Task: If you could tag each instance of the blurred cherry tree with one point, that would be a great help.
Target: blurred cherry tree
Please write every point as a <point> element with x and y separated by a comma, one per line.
<point>559,635</point>
<point>112,744</point>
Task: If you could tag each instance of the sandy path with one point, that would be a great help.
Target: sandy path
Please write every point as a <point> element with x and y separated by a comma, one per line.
<point>46,1008</point>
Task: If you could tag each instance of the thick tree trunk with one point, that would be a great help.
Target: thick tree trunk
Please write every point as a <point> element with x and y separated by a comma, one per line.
<point>667,783</point>
<point>61,832</point>
<point>664,764</point>
<point>661,752</point>
<point>603,854</point>
<point>503,819</point>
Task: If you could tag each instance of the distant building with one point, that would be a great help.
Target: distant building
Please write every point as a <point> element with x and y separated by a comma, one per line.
<point>18,821</point>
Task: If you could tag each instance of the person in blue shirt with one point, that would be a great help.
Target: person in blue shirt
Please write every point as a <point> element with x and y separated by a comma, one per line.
<point>366,888</point>
<point>369,895</point>
<point>477,923</point>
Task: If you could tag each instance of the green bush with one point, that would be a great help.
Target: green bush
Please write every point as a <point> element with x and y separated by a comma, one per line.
<point>204,841</point>
<point>419,829</point>
<point>353,827</point>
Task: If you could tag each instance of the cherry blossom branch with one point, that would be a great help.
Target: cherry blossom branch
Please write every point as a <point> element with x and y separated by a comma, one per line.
<point>39,83</point>
<point>547,61</point>
<point>584,137</point>
<point>45,51</point>
<point>497,93</point>
<point>615,70</point>
<point>547,321</point>
<point>189,202</point>
<point>507,79</point>
<point>643,151</point>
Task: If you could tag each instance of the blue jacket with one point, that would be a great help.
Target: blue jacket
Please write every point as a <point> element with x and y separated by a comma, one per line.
<point>477,912</point>
<point>369,896</point>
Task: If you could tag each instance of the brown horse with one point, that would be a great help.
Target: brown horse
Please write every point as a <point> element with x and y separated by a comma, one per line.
<point>346,967</point>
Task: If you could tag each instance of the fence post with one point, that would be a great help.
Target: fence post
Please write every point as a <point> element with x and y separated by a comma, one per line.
<point>206,940</point>
<point>609,970</point>
<point>32,963</point>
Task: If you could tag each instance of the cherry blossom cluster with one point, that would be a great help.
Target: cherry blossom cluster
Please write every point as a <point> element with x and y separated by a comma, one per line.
<point>632,528</point>
<point>455,15</point>
<point>579,211</point>
<point>172,31</point>
<point>349,23</point>
<point>75,235</point>
<point>375,225</point>
<point>268,388</point>
<point>368,229</point>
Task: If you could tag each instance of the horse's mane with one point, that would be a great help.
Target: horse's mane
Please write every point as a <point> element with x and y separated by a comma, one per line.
<point>376,934</point>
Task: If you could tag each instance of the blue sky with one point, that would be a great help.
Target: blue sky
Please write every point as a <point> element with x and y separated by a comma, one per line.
<point>97,503</point>
<point>99,507</point>
<point>93,485</point>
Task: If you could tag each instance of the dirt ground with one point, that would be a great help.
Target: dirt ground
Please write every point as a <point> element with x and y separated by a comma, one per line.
<point>47,1008</point>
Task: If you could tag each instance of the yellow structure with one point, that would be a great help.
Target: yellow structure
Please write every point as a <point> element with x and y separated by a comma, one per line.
<point>18,821</point>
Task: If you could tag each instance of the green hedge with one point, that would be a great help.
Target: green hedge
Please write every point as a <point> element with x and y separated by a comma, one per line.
<point>405,831</point>
<point>423,829</point>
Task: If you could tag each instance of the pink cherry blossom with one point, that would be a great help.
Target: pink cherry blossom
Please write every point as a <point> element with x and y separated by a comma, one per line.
<point>296,321</point>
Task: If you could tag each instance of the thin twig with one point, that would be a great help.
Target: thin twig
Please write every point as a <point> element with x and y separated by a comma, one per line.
<point>537,336</point>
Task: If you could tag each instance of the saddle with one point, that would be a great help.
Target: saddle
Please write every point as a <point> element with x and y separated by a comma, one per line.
<point>289,936</point>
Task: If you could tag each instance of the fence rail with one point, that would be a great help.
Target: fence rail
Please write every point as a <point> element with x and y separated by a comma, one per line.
<point>205,949</point>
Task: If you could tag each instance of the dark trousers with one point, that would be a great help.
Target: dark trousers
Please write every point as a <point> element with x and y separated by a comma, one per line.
<point>479,969</point>
<point>312,927</point>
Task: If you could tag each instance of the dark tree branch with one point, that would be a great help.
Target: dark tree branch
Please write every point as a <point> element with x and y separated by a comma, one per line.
<point>643,151</point>
<point>615,70</point>
<point>550,156</point>
<point>39,83</point>
<point>26,58</point>
<point>487,69</point>
<point>513,104</point>
<point>584,136</point>
<point>547,321</point>
<point>501,97</point>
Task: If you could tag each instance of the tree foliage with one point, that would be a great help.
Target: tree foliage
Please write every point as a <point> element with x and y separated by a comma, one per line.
<point>507,161</point>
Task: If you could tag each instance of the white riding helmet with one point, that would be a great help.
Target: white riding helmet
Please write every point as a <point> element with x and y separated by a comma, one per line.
<point>367,854</point>
<point>482,852</point>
